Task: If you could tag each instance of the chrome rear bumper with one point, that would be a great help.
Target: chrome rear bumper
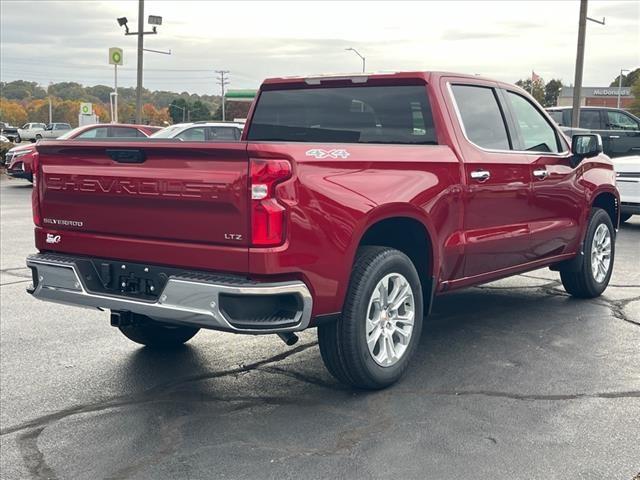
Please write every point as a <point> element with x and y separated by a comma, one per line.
<point>189,299</point>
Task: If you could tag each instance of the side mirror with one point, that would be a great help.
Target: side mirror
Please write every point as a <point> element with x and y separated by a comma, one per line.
<point>585,146</point>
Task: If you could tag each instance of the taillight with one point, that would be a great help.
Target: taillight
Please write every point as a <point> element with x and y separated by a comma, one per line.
<point>35,200</point>
<point>268,216</point>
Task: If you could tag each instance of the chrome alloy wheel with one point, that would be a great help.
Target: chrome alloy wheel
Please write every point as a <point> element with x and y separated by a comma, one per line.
<point>601,253</point>
<point>390,318</point>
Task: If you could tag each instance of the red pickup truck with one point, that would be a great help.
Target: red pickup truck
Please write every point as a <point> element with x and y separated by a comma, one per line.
<point>349,205</point>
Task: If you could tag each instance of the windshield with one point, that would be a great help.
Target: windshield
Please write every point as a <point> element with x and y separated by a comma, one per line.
<point>167,132</point>
<point>359,114</point>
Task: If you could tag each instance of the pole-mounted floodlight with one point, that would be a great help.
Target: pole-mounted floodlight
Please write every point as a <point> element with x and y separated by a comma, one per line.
<point>122,21</point>
<point>153,20</point>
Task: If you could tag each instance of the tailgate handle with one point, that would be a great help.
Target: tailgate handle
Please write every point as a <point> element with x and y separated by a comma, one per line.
<point>127,156</point>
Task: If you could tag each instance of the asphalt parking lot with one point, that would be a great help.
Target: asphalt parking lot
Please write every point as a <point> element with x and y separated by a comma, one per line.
<point>512,380</point>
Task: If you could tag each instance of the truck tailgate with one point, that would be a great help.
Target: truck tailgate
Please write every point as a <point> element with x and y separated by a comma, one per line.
<point>179,197</point>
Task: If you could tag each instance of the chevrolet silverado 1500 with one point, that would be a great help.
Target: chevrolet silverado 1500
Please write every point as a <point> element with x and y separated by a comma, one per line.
<point>349,205</point>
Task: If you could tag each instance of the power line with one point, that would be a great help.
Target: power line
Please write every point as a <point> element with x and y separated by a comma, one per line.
<point>223,82</point>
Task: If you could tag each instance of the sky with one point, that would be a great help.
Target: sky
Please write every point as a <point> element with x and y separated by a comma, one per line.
<point>55,41</point>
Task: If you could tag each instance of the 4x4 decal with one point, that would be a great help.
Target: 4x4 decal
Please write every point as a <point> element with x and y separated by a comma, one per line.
<point>320,153</point>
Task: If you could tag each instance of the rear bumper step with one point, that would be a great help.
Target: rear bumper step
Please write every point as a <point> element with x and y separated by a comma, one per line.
<point>200,299</point>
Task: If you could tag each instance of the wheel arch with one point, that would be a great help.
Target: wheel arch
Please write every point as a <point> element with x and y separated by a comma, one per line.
<point>410,233</point>
<point>608,201</point>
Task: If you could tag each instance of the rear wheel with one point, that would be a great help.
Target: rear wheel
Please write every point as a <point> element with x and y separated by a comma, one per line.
<point>371,344</point>
<point>38,137</point>
<point>157,335</point>
<point>624,217</point>
<point>18,139</point>
<point>593,275</point>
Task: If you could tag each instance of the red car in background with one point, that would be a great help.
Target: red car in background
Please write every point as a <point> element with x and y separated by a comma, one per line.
<point>19,159</point>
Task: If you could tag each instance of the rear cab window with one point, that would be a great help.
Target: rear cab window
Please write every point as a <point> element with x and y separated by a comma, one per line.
<point>481,116</point>
<point>390,114</point>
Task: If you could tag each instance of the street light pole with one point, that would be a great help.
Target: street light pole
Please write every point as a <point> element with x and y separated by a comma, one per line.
<point>351,49</point>
<point>577,84</point>
<point>622,70</point>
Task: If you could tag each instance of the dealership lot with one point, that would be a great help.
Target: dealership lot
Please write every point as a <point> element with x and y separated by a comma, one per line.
<point>513,379</point>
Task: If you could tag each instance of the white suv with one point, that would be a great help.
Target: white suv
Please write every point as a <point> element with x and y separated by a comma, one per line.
<point>202,132</point>
<point>628,182</point>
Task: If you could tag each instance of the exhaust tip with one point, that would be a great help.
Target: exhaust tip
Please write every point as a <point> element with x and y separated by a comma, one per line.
<point>289,338</point>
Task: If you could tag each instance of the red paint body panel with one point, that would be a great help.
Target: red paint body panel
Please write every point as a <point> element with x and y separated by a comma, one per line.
<point>175,208</point>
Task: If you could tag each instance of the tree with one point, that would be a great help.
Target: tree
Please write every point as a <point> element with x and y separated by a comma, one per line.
<point>552,92</point>
<point>12,112</point>
<point>233,110</point>
<point>635,91</point>
<point>538,88</point>
<point>200,111</point>
<point>21,90</point>
<point>178,110</point>
<point>627,80</point>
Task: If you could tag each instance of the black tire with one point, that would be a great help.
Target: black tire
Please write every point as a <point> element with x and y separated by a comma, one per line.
<point>38,137</point>
<point>581,282</point>
<point>624,217</point>
<point>17,139</point>
<point>343,343</point>
<point>157,335</point>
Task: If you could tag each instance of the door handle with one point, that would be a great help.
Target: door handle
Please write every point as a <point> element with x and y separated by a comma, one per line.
<point>541,174</point>
<point>481,175</point>
<point>127,156</point>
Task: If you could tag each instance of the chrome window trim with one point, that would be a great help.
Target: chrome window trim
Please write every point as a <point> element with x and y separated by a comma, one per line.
<point>491,150</point>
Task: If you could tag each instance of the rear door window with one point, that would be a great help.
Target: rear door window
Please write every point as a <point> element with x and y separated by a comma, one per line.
<point>223,133</point>
<point>98,132</point>
<point>196,134</point>
<point>590,119</point>
<point>124,132</point>
<point>358,114</point>
<point>481,116</point>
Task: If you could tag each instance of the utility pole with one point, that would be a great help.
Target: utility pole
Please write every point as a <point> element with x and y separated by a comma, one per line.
<point>222,81</point>
<point>577,84</point>
<point>51,115</point>
<point>140,58</point>
<point>577,87</point>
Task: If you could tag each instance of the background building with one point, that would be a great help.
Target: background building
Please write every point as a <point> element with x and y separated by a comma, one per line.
<point>597,97</point>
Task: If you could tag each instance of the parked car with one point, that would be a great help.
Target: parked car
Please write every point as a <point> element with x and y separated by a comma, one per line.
<point>628,181</point>
<point>202,132</point>
<point>9,132</point>
<point>350,203</point>
<point>20,158</point>
<point>53,130</point>
<point>4,139</point>
<point>29,131</point>
<point>620,130</point>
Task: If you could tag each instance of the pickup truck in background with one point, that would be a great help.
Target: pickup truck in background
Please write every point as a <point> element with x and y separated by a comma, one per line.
<point>620,130</point>
<point>6,130</point>
<point>349,205</point>
<point>29,131</point>
<point>53,130</point>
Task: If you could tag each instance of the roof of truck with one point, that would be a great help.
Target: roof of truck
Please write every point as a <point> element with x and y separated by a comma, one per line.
<point>364,77</point>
